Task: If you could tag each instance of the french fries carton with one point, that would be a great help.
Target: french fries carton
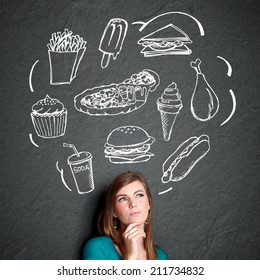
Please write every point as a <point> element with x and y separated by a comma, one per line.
<point>65,53</point>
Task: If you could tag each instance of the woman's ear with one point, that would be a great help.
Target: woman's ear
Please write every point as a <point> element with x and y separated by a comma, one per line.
<point>114,215</point>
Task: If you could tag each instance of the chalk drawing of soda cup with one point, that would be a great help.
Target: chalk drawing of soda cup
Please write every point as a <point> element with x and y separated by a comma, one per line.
<point>81,168</point>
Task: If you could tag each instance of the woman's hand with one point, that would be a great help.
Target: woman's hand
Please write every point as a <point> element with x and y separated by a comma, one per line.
<point>132,237</point>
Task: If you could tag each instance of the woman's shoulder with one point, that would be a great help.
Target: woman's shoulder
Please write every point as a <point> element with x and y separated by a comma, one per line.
<point>96,248</point>
<point>100,240</point>
<point>100,248</point>
<point>161,254</point>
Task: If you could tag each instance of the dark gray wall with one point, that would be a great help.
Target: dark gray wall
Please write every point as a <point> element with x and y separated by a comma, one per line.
<point>213,213</point>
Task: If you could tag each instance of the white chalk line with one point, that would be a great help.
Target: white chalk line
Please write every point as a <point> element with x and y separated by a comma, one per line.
<point>62,176</point>
<point>202,33</point>
<point>234,107</point>
<point>229,73</point>
<point>30,76</point>
<point>31,139</point>
<point>165,191</point>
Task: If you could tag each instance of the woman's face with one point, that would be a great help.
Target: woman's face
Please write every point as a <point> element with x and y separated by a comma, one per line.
<point>132,204</point>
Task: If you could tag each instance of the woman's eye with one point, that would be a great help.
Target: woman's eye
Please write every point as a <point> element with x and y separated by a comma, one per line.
<point>121,199</point>
<point>140,195</point>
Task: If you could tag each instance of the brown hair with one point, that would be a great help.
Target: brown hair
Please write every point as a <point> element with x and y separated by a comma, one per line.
<point>108,224</point>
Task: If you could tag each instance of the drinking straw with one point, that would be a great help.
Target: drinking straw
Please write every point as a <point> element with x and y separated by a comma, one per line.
<point>73,147</point>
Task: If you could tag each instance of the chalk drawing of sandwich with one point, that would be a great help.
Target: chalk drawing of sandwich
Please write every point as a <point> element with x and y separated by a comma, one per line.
<point>168,40</point>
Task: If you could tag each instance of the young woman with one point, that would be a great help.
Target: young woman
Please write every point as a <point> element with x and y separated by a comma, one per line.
<point>125,223</point>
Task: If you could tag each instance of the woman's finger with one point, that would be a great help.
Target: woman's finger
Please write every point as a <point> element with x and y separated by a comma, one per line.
<point>132,231</point>
<point>135,236</point>
<point>131,228</point>
<point>132,235</point>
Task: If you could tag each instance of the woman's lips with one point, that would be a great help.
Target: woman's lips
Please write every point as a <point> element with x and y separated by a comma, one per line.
<point>135,213</point>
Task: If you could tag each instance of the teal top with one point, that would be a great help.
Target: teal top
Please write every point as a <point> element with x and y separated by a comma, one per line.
<point>102,248</point>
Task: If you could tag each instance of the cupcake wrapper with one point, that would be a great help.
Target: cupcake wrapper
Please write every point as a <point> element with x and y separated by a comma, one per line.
<point>50,126</point>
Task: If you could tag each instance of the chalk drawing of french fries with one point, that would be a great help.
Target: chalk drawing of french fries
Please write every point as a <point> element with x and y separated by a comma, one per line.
<point>65,53</point>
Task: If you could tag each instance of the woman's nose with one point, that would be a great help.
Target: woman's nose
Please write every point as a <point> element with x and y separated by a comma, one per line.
<point>132,203</point>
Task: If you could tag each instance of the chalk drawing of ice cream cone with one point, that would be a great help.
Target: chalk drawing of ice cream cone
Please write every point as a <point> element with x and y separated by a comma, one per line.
<point>169,106</point>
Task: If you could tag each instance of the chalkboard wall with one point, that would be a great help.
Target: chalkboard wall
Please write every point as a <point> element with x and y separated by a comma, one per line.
<point>191,63</point>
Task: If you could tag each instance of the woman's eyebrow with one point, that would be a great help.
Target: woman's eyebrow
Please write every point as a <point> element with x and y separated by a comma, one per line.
<point>121,195</point>
<point>126,194</point>
<point>139,191</point>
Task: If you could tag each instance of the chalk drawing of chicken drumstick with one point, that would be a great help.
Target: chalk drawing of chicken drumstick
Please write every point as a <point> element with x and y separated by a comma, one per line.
<point>204,101</point>
<point>112,39</point>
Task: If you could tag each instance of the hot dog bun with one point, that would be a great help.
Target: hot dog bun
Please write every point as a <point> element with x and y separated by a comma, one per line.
<point>179,164</point>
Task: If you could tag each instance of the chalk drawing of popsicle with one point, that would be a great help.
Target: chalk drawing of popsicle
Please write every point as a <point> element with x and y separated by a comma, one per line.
<point>80,164</point>
<point>204,101</point>
<point>112,40</point>
<point>49,118</point>
<point>65,53</point>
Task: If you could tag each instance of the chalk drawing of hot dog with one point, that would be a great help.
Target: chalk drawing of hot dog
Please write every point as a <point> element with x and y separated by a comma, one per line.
<point>180,163</point>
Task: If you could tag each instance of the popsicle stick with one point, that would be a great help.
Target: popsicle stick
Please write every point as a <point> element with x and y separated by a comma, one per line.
<point>105,60</point>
